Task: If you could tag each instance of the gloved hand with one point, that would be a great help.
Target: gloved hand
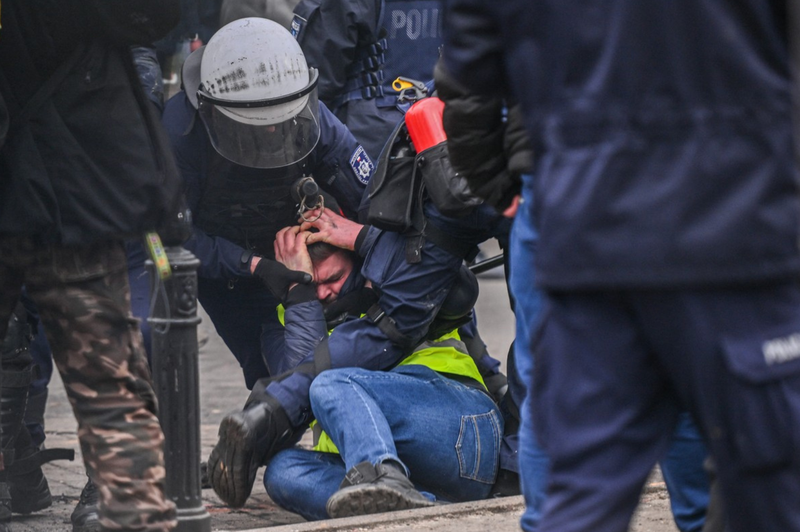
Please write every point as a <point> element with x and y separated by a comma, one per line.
<point>278,278</point>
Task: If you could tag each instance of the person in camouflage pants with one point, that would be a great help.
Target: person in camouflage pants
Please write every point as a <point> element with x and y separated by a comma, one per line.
<point>84,302</point>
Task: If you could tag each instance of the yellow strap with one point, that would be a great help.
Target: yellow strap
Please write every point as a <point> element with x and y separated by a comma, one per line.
<point>158,255</point>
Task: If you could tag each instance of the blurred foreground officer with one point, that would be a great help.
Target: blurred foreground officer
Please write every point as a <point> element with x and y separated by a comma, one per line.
<point>667,207</point>
<point>360,48</point>
<point>245,129</point>
<point>84,164</point>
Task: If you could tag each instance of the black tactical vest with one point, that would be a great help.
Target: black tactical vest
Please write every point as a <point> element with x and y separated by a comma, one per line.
<point>247,205</point>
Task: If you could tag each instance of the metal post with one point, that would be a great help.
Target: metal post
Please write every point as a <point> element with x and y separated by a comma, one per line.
<point>176,380</point>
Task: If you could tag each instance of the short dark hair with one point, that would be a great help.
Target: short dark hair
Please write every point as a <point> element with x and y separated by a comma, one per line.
<point>320,251</point>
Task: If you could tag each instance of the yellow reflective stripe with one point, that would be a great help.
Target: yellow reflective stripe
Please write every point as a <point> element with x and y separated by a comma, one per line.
<point>325,444</point>
<point>447,354</point>
<point>281,310</point>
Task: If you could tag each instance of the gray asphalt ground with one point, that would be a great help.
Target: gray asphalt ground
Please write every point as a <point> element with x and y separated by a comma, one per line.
<point>222,390</point>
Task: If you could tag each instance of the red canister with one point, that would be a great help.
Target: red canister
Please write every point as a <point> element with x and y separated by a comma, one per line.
<point>424,123</point>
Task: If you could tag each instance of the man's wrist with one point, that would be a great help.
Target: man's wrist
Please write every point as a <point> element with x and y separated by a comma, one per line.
<point>249,260</point>
<point>300,293</point>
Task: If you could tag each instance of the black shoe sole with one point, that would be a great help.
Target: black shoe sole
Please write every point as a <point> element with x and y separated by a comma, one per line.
<point>230,465</point>
<point>93,526</point>
<point>29,499</point>
<point>370,499</point>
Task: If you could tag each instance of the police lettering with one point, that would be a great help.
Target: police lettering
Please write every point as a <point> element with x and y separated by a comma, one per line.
<point>781,349</point>
<point>416,24</point>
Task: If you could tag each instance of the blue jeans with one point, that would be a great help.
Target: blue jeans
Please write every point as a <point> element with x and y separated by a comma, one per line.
<point>686,480</point>
<point>533,462</point>
<point>447,436</point>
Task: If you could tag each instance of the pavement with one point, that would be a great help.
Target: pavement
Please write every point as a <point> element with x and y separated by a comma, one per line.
<point>222,390</point>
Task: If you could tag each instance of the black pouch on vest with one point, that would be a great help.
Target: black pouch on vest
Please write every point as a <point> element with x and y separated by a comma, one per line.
<point>394,186</point>
<point>447,189</point>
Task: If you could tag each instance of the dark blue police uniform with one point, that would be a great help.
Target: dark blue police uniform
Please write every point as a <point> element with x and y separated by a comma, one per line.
<point>237,210</point>
<point>665,192</point>
<point>360,48</point>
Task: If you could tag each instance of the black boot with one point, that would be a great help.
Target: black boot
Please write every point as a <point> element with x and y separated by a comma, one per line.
<point>29,489</point>
<point>85,517</point>
<point>247,439</point>
<point>27,485</point>
<point>5,508</point>
<point>16,379</point>
<point>34,416</point>
<point>368,489</point>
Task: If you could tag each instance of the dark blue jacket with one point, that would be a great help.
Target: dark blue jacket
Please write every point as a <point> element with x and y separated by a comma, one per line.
<point>330,164</point>
<point>339,36</point>
<point>85,159</point>
<point>661,134</point>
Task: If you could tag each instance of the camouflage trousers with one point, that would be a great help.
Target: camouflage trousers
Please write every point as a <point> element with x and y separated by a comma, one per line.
<point>83,299</point>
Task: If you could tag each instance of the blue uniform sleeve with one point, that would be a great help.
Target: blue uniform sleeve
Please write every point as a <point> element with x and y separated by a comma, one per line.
<point>329,31</point>
<point>305,329</point>
<point>368,241</point>
<point>340,164</point>
<point>219,258</point>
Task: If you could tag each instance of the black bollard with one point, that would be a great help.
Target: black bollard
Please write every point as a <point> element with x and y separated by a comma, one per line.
<point>176,380</point>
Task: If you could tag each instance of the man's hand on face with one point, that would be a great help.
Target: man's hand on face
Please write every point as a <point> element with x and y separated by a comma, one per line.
<point>291,250</point>
<point>292,264</point>
<point>332,228</point>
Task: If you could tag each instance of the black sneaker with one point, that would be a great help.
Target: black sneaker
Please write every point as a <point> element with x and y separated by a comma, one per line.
<point>369,489</point>
<point>85,517</point>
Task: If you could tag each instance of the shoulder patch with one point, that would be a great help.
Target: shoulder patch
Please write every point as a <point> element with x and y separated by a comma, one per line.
<point>362,165</point>
<point>298,23</point>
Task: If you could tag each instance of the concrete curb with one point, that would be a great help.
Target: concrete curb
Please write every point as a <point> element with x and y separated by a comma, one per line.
<point>449,511</point>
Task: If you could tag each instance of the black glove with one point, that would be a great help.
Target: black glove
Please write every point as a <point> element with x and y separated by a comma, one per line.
<point>278,278</point>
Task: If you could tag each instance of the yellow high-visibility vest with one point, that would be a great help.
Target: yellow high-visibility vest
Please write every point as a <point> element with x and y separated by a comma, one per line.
<point>447,354</point>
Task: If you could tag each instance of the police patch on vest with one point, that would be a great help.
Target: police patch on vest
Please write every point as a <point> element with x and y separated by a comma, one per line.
<point>362,165</point>
<point>298,23</point>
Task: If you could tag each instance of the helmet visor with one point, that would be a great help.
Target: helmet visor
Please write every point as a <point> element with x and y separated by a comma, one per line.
<point>271,136</point>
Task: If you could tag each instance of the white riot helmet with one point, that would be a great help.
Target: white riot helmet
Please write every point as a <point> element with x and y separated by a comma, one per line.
<point>257,96</point>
